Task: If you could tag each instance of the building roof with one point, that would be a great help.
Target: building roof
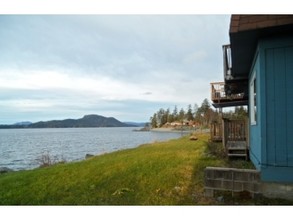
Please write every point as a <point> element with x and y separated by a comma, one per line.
<point>252,22</point>
<point>246,30</point>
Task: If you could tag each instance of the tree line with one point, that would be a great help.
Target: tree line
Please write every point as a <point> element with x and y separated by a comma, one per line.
<point>202,115</point>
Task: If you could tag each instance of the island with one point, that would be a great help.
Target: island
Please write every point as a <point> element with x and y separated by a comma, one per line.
<point>87,121</point>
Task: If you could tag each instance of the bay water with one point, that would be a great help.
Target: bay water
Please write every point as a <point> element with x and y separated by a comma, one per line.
<point>22,149</point>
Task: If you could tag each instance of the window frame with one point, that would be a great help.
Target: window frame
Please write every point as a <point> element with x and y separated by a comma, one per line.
<point>253,99</point>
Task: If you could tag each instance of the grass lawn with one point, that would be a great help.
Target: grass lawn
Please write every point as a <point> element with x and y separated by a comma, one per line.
<point>162,173</point>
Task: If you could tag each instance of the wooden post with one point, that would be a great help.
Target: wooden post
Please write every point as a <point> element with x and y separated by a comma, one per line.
<point>247,137</point>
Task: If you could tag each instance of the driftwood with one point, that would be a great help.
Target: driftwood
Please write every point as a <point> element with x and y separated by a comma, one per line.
<point>193,138</point>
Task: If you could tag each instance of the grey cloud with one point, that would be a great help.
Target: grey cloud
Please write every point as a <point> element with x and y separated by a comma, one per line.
<point>173,52</point>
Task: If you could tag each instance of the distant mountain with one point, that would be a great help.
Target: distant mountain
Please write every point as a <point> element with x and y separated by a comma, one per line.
<point>136,124</point>
<point>86,121</point>
<point>24,123</point>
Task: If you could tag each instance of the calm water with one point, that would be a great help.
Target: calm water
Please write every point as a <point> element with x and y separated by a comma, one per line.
<point>21,148</point>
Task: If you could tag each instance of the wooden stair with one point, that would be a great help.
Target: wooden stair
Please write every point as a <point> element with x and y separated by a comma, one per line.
<point>237,149</point>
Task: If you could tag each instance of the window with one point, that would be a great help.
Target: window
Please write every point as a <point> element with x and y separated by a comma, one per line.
<point>252,98</point>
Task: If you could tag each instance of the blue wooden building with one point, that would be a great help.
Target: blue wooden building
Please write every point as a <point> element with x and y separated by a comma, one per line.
<point>258,72</point>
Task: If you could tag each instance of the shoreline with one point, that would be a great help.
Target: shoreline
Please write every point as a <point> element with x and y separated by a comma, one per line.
<point>169,130</point>
<point>4,168</point>
<point>178,130</point>
<point>25,163</point>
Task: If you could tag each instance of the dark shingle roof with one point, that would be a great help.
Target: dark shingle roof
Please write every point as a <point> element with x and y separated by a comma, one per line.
<point>245,32</point>
<point>252,22</point>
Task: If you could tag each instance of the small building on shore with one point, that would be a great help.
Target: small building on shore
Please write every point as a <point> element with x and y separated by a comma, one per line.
<point>258,72</point>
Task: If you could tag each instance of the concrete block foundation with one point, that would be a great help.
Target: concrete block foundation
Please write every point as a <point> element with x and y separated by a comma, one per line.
<point>239,180</point>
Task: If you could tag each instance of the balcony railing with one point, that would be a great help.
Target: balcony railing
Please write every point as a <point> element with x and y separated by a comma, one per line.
<point>222,96</point>
<point>218,93</point>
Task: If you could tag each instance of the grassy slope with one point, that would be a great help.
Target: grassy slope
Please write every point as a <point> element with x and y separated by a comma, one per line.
<point>159,173</point>
<point>166,173</point>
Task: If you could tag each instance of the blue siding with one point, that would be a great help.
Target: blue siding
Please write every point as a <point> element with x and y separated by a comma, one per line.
<point>289,86</point>
<point>271,140</point>
<point>277,174</point>
<point>277,99</point>
<point>280,107</point>
<point>270,98</point>
<point>255,130</point>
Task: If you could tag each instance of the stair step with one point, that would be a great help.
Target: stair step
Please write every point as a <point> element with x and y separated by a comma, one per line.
<point>236,151</point>
<point>237,148</point>
<point>237,155</point>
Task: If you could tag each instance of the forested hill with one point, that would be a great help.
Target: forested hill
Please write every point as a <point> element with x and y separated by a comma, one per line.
<point>86,121</point>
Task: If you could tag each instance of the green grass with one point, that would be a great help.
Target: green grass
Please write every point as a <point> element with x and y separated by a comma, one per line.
<point>163,173</point>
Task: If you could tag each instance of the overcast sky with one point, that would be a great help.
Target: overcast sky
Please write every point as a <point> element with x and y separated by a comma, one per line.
<point>126,66</point>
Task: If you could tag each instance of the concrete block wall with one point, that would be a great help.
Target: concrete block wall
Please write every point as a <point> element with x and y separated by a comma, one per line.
<point>231,179</point>
<point>238,180</point>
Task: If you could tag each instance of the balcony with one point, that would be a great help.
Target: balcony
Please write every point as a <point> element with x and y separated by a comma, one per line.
<point>234,90</point>
<point>234,83</point>
<point>222,95</point>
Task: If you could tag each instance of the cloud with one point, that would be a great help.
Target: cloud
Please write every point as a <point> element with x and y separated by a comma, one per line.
<point>147,93</point>
<point>70,65</point>
<point>196,56</point>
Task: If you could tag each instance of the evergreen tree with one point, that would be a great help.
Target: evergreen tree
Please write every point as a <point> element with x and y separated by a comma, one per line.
<point>181,114</point>
<point>205,106</point>
<point>153,120</point>
<point>195,108</point>
<point>160,116</point>
<point>240,112</point>
<point>189,115</point>
<point>175,113</point>
<point>204,113</point>
<point>169,116</point>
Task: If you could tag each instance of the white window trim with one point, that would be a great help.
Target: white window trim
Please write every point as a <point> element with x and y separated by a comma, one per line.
<point>252,101</point>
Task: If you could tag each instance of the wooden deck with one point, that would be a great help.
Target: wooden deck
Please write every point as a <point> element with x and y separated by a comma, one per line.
<point>234,135</point>
<point>220,98</point>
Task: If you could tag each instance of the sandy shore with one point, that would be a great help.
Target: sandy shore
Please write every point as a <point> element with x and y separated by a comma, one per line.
<point>165,130</point>
<point>179,131</point>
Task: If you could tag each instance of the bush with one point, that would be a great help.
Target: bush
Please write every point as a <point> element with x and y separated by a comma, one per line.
<point>46,160</point>
<point>216,149</point>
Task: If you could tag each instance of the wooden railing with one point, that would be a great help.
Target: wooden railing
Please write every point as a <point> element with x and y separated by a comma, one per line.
<point>229,130</point>
<point>235,130</point>
<point>216,131</point>
<point>234,136</point>
<point>218,93</point>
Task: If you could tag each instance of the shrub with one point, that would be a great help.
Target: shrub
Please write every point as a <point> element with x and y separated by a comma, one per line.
<point>216,149</point>
<point>46,160</point>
